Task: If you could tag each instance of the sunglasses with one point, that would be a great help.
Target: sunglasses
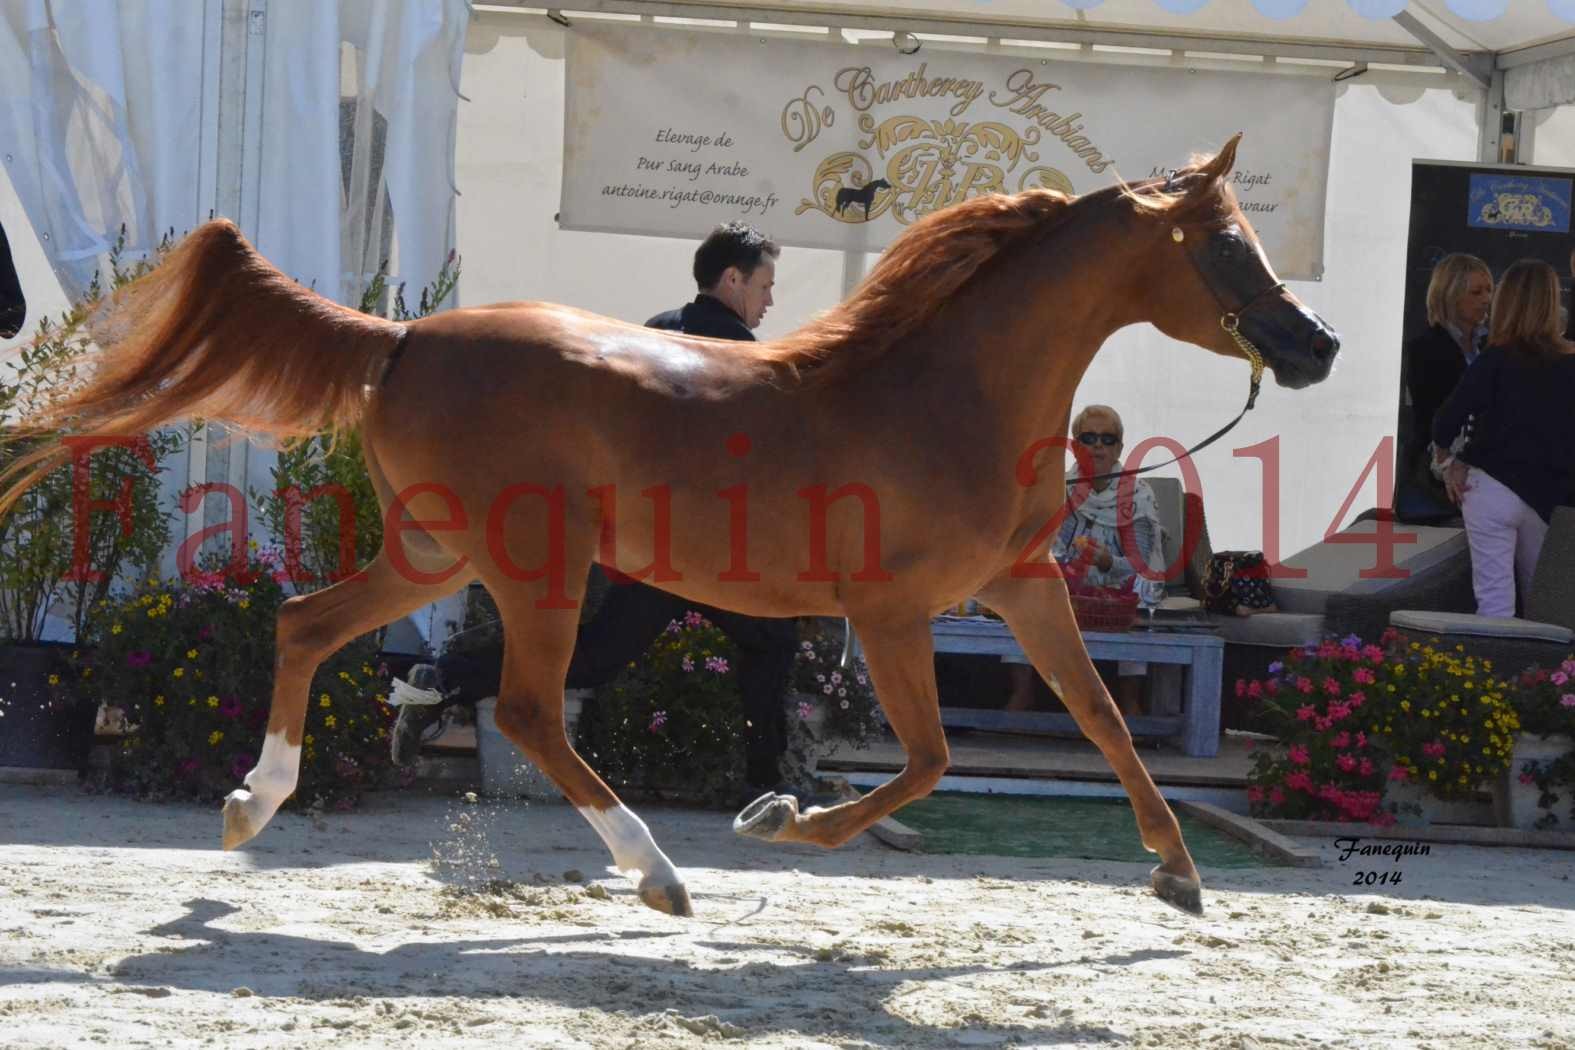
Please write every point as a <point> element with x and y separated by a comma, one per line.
<point>1088,437</point>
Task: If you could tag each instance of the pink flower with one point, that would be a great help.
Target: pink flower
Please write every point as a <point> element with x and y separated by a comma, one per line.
<point>1361,739</point>
<point>1255,794</point>
<point>1559,678</point>
<point>204,633</point>
<point>1567,700</point>
<point>1254,689</point>
<point>1304,683</point>
<point>1434,750</point>
<point>694,619</point>
<point>1276,796</point>
<point>1527,779</point>
<point>805,710</point>
<point>718,665</point>
<point>1367,767</point>
<point>658,720</point>
<point>1299,781</point>
<point>687,663</point>
<point>1399,774</point>
<point>1364,676</point>
<point>1356,700</point>
<point>1331,687</point>
<point>1299,755</point>
<point>1241,687</point>
<point>1346,763</point>
<point>139,658</point>
<point>1305,712</point>
<point>1374,654</point>
<point>231,707</point>
<point>1342,739</point>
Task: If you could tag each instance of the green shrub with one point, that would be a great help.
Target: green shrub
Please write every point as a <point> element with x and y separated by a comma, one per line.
<point>191,663</point>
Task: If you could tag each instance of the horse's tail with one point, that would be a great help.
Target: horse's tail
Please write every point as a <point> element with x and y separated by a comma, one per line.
<point>215,332</point>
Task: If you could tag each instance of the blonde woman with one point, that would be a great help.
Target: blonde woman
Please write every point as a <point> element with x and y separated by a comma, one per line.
<point>1459,295</point>
<point>1518,462</point>
<point>1092,532</point>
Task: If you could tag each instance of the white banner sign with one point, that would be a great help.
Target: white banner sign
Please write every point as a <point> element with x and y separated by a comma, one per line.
<point>670,132</point>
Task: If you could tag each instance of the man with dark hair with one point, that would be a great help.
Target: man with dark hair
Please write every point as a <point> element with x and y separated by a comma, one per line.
<point>734,269</point>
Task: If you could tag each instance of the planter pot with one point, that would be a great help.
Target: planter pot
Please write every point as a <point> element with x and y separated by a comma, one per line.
<point>38,731</point>
<point>505,772</point>
<point>1415,807</point>
<point>1516,803</point>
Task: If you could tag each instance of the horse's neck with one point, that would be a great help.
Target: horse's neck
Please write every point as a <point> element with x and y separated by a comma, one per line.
<point>1026,328</point>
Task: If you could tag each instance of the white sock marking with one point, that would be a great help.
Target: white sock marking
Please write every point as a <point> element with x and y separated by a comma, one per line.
<point>274,778</point>
<point>630,842</point>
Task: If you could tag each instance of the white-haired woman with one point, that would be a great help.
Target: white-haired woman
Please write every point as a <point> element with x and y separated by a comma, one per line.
<point>1095,535</point>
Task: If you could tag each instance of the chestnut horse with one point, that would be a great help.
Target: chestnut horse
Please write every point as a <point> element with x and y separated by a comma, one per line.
<point>515,444</point>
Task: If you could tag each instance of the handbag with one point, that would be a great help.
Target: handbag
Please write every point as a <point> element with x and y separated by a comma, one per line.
<point>1237,582</point>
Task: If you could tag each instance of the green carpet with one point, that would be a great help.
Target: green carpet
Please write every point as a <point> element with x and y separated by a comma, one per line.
<point>1032,826</point>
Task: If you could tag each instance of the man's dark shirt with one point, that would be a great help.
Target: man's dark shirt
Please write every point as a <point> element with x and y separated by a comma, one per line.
<point>704,316</point>
<point>13,308</point>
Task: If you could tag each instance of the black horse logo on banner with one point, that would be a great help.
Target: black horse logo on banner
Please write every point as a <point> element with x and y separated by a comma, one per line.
<point>864,195</point>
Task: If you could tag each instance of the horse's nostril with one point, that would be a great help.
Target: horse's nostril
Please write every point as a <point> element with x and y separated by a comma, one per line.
<point>1324,346</point>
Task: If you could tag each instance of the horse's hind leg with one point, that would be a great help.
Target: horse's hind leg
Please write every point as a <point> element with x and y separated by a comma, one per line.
<point>1040,616</point>
<point>537,647</point>
<point>310,629</point>
<point>901,660</point>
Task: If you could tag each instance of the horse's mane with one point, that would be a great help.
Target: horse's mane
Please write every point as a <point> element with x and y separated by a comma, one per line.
<point>937,256</point>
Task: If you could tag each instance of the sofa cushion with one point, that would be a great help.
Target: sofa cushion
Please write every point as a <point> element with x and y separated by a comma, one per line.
<point>1335,567</point>
<point>1279,630</point>
<point>1470,626</point>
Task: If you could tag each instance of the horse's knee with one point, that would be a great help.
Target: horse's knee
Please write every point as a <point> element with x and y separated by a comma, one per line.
<point>528,728</point>
<point>928,765</point>
<point>300,631</point>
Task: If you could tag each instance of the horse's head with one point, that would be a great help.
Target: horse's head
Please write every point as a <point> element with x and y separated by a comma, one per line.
<point>1215,287</point>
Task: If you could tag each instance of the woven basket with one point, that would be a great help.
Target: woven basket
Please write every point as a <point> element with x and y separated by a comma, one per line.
<point>1105,612</point>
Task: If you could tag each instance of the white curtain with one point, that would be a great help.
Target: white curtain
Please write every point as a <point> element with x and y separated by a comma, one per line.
<point>99,123</point>
<point>359,110</point>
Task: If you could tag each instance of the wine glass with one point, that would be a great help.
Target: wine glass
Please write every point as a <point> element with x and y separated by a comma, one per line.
<point>1150,592</point>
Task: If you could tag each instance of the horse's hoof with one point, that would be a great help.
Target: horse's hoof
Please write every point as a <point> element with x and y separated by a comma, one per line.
<point>238,828</point>
<point>767,817</point>
<point>669,898</point>
<point>1180,893</point>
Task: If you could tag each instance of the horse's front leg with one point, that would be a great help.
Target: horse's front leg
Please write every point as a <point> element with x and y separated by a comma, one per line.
<point>901,660</point>
<point>1039,613</point>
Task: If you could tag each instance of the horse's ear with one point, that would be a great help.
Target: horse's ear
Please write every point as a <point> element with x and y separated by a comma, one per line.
<point>1224,160</point>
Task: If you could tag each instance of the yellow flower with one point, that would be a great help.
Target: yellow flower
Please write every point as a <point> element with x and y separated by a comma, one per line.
<point>330,721</point>
<point>214,738</point>
<point>179,672</point>
<point>245,603</point>
<point>325,701</point>
<point>116,629</point>
<point>1432,774</point>
<point>191,654</point>
<point>158,701</point>
<point>1405,705</point>
<point>54,679</point>
<point>153,614</point>
<point>308,740</point>
<point>213,701</point>
<point>345,675</point>
<point>87,672</point>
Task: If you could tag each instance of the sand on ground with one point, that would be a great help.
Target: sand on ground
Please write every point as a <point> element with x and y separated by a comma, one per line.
<point>123,925</point>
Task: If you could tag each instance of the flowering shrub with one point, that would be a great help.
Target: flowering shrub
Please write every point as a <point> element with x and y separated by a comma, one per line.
<point>673,722</point>
<point>1449,722</point>
<point>192,664</point>
<point>1353,718</point>
<point>1546,703</point>
<point>846,696</point>
<point>1329,766</point>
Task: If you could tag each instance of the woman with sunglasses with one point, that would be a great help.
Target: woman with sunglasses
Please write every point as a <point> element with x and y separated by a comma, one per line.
<point>1091,537</point>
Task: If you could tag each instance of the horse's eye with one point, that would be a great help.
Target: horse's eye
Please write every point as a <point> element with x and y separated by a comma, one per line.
<point>1226,246</point>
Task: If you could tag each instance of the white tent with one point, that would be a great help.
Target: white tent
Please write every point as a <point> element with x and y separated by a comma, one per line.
<point>1430,84</point>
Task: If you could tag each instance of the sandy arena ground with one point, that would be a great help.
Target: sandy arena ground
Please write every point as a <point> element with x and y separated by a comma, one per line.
<point>123,925</point>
